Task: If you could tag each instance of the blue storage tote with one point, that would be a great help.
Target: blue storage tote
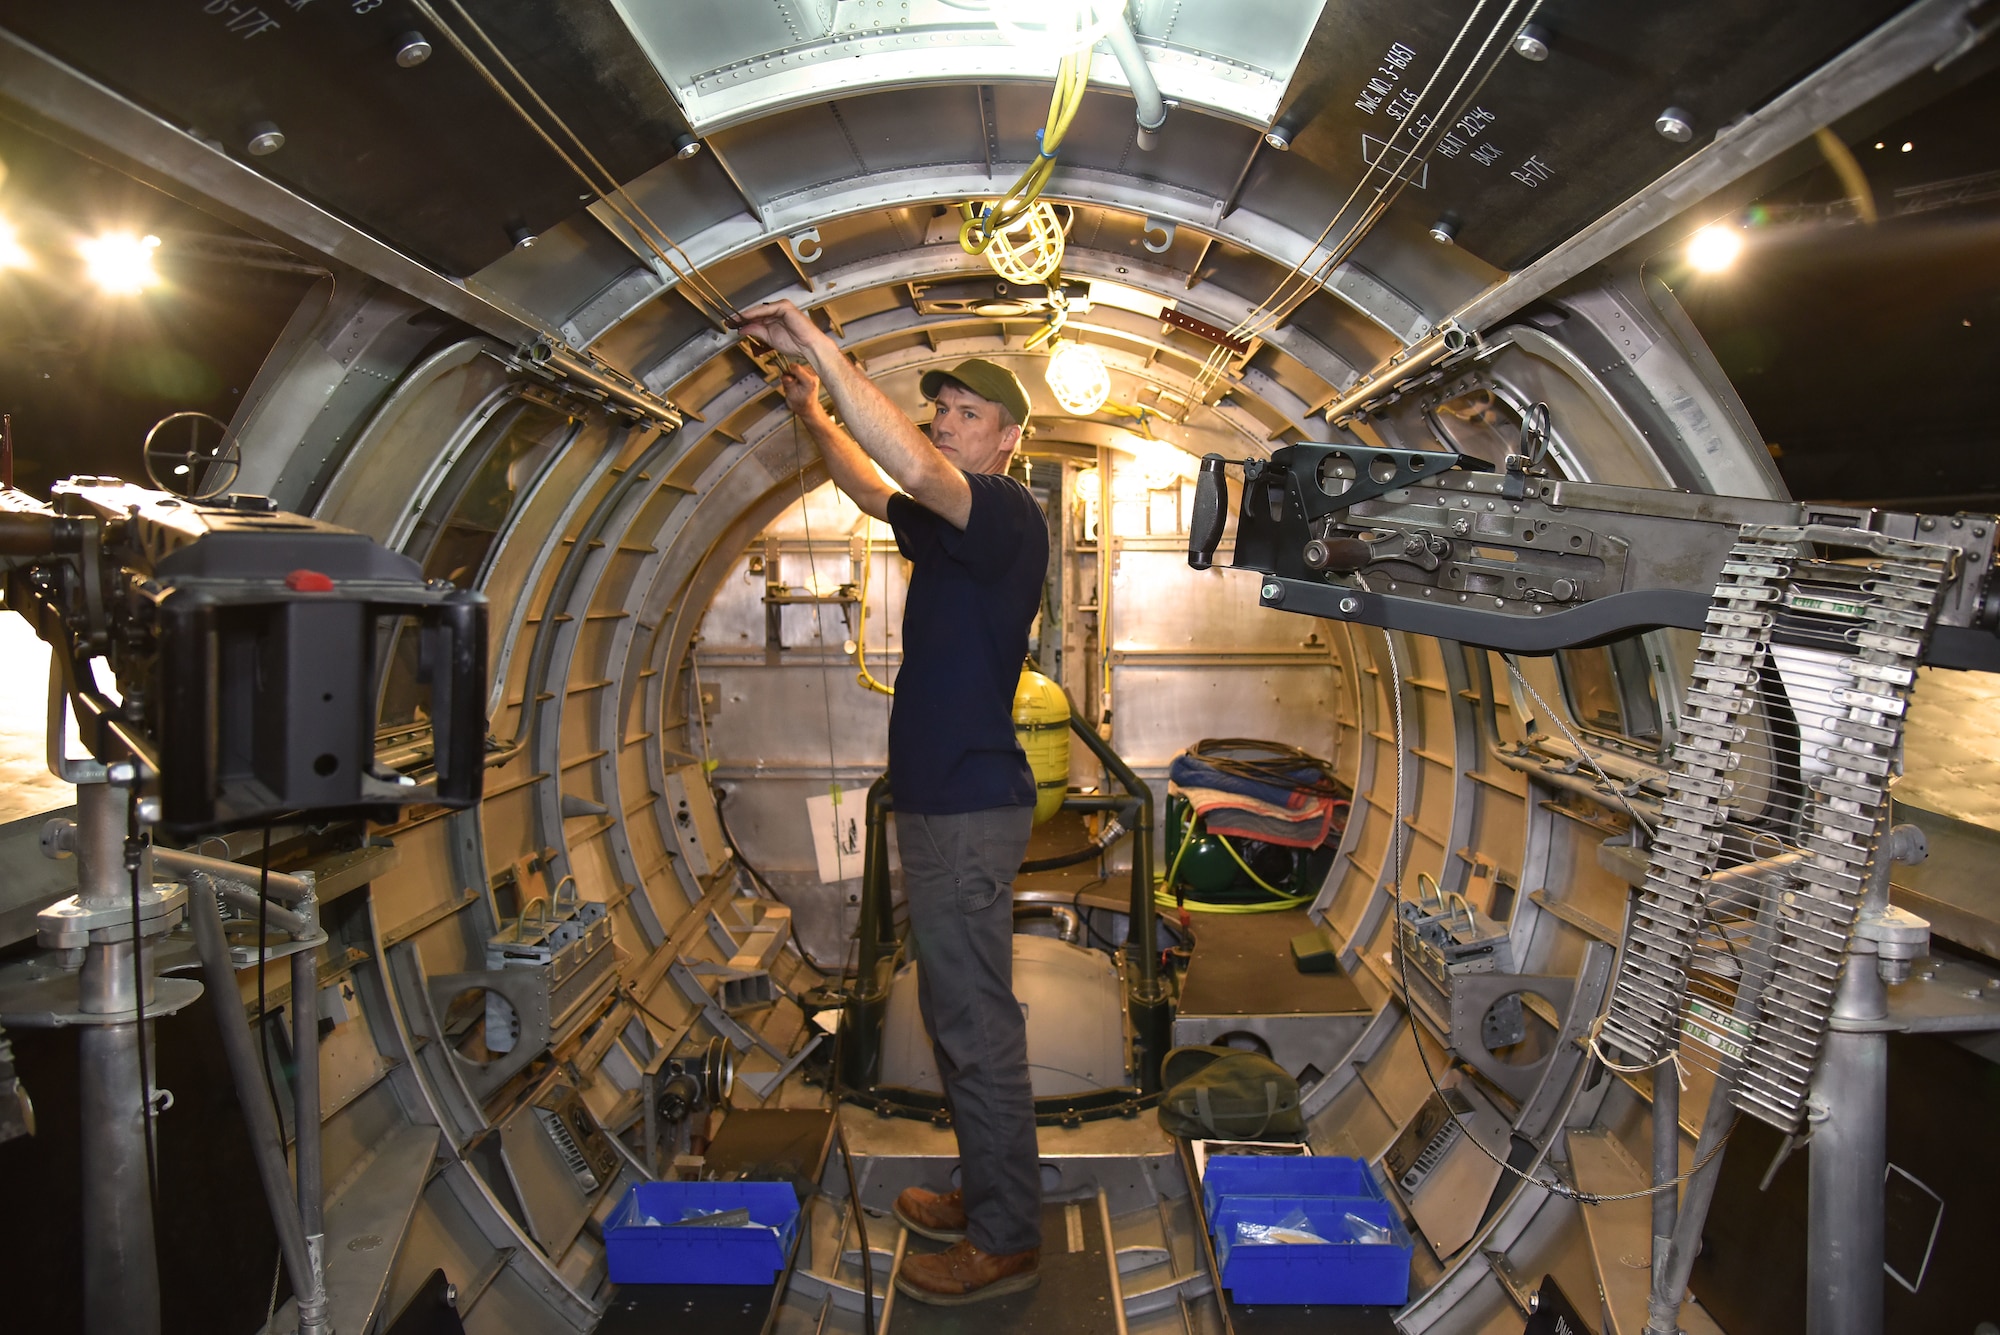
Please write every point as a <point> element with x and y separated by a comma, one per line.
<point>1229,1175</point>
<point>642,1253</point>
<point>1304,1272</point>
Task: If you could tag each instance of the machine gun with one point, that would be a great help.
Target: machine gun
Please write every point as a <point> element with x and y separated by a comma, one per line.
<point>230,652</point>
<point>1436,543</point>
<point>1762,944</point>
<point>223,663</point>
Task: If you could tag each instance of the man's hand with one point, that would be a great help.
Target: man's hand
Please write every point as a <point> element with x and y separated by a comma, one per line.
<point>801,385</point>
<point>785,328</point>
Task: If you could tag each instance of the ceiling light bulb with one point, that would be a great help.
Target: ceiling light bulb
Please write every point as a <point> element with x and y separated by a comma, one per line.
<point>1715,247</point>
<point>1056,26</point>
<point>120,263</point>
<point>1031,251</point>
<point>1077,377</point>
<point>12,254</point>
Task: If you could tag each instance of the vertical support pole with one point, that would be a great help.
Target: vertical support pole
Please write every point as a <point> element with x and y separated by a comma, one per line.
<point>260,1119</point>
<point>1666,1203</point>
<point>1146,999</point>
<point>306,1122</point>
<point>861,1024</point>
<point>1849,1109</point>
<point>1847,1159</point>
<point>121,1275</point>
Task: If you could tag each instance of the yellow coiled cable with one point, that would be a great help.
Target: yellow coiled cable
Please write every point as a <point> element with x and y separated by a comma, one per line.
<point>982,225</point>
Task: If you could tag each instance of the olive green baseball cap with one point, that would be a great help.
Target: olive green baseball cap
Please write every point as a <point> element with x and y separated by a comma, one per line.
<point>995,384</point>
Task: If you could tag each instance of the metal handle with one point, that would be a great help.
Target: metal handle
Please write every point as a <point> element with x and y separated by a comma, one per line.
<point>1211,511</point>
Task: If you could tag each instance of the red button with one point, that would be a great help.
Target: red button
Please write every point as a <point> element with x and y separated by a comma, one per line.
<point>308,581</point>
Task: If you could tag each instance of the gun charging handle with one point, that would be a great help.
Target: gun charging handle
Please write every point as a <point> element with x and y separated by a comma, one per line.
<point>1211,511</point>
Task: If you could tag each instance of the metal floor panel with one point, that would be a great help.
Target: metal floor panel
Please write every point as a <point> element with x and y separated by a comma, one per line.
<point>712,1309</point>
<point>1621,1236</point>
<point>1074,1297</point>
<point>1243,965</point>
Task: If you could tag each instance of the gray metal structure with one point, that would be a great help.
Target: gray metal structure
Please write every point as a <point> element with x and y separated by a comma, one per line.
<point>647,474</point>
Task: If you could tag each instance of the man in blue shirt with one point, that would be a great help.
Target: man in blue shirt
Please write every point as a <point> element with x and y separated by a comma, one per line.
<point>978,548</point>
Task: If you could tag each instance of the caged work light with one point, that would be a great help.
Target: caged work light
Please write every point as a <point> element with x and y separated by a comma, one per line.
<point>1030,251</point>
<point>1077,377</point>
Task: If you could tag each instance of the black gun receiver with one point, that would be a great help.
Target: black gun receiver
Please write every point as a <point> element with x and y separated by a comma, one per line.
<point>1436,543</point>
<point>232,652</point>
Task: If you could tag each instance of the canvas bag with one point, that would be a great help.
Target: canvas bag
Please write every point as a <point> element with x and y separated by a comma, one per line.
<point>1227,1094</point>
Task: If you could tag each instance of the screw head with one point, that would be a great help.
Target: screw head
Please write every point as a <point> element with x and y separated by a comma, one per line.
<point>1350,605</point>
<point>686,147</point>
<point>412,50</point>
<point>265,139</point>
<point>122,772</point>
<point>1675,124</point>
<point>1279,137</point>
<point>1274,593</point>
<point>1532,42</point>
<point>1445,230</point>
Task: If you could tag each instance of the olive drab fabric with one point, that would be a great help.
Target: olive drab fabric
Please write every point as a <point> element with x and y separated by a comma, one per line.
<point>1224,1093</point>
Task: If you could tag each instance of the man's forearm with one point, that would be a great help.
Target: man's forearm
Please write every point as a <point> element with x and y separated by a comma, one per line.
<point>879,427</point>
<point>847,464</point>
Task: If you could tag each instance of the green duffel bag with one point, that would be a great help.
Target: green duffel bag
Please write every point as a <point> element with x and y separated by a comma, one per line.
<point>1227,1094</point>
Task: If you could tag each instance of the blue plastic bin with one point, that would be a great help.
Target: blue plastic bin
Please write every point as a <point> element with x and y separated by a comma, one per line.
<point>1229,1175</point>
<point>1298,1272</point>
<point>642,1253</point>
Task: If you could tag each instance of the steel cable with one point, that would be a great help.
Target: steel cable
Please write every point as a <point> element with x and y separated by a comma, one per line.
<point>1395,871</point>
<point>707,299</point>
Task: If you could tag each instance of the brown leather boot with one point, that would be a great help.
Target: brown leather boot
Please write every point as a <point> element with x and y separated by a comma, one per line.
<point>963,1274</point>
<point>927,1214</point>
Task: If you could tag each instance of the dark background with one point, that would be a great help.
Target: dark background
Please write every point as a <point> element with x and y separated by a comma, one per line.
<point>1867,354</point>
<point>85,375</point>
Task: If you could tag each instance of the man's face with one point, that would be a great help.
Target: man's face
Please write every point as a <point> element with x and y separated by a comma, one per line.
<point>966,429</point>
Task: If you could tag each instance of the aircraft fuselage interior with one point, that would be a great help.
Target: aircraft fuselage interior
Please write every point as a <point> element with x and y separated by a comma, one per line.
<point>1511,703</point>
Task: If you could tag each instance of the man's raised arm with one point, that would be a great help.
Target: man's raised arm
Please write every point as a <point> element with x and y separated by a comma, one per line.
<point>846,463</point>
<point>881,429</point>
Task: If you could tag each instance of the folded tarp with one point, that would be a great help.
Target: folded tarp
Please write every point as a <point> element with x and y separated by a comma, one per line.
<point>1301,821</point>
<point>1193,772</point>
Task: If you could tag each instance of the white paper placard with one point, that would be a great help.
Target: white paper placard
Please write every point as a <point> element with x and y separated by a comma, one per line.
<point>839,821</point>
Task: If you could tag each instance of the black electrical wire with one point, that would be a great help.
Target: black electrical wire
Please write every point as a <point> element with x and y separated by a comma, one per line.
<point>756,876</point>
<point>1274,763</point>
<point>263,1030</point>
<point>133,858</point>
<point>861,1225</point>
<point>263,1020</point>
<point>722,820</point>
<point>847,1160</point>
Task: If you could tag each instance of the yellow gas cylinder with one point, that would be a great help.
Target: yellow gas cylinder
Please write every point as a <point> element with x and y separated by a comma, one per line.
<point>1041,721</point>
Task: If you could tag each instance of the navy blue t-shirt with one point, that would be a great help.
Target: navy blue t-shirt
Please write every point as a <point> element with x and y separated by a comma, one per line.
<point>973,595</point>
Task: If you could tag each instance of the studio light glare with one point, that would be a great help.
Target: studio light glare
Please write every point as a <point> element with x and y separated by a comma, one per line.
<point>120,263</point>
<point>1715,247</point>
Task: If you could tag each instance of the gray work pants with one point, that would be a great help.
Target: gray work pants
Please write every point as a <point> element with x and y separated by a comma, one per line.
<point>958,876</point>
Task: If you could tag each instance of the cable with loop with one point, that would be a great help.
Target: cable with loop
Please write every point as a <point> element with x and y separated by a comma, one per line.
<point>1553,1185</point>
<point>704,296</point>
<point>1588,756</point>
<point>982,225</point>
<point>1297,286</point>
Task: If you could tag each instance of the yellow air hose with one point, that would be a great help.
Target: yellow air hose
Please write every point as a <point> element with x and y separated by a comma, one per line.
<point>982,225</point>
<point>864,677</point>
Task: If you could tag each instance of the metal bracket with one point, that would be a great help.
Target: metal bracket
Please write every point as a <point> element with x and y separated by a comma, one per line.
<point>806,248</point>
<point>70,924</point>
<point>527,992</point>
<point>33,998</point>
